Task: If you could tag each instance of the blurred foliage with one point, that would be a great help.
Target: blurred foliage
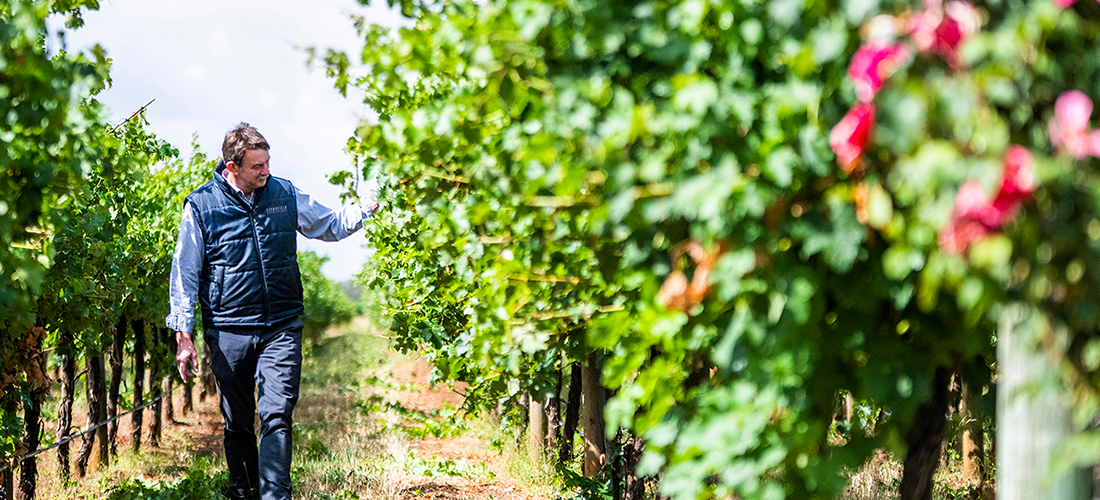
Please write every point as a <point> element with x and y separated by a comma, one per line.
<point>325,302</point>
<point>655,180</point>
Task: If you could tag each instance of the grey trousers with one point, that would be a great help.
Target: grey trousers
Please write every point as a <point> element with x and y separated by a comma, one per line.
<point>244,360</point>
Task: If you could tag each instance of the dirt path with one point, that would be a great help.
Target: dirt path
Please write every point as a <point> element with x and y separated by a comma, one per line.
<point>363,454</point>
<point>463,449</point>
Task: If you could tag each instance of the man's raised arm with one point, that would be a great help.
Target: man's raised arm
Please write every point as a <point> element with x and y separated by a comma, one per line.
<point>319,222</point>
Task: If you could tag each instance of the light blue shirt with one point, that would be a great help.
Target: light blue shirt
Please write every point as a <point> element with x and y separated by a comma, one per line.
<point>315,221</point>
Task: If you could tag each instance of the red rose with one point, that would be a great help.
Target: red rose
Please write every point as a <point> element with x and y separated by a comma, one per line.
<point>943,29</point>
<point>958,236</point>
<point>872,64</point>
<point>849,137</point>
<point>975,216</point>
<point>1017,182</point>
<point>969,219</point>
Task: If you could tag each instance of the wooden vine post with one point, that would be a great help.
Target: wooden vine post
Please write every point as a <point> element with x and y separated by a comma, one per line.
<point>169,405</point>
<point>155,386</point>
<point>117,348</point>
<point>1031,423</point>
<point>168,341</point>
<point>65,406</point>
<point>87,440</point>
<point>39,388</point>
<point>139,384</point>
<point>98,393</point>
<point>553,417</point>
<point>973,438</point>
<point>188,393</point>
<point>536,428</point>
<point>207,385</point>
<point>595,429</point>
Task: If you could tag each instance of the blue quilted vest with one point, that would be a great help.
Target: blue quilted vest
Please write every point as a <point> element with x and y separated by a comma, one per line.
<point>250,273</point>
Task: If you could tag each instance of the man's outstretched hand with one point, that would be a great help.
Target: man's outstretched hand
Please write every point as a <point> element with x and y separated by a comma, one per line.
<point>186,355</point>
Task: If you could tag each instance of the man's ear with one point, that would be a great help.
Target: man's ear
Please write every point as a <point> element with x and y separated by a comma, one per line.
<point>231,166</point>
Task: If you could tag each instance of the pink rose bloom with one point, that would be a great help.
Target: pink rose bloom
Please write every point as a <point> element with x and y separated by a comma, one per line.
<point>1017,183</point>
<point>1018,180</point>
<point>1069,131</point>
<point>957,236</point>
<point>922,29</point>
<point>849,137</point>
<point>975,216</point>
<point>968,219</point>
<point>1094,142</point>
<point>1065,3</point>
<point>872,64</point>
<point>966,16</point>
<point>970,201</point>
<point>943,29</point>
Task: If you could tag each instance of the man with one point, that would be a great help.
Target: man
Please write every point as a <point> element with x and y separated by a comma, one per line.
<point>237,252</point>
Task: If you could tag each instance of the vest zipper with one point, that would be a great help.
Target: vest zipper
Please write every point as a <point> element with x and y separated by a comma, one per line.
<point>263,271</point>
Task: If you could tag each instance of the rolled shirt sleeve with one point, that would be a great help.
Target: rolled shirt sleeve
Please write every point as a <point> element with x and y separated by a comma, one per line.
<point>319,222</point>
<point>183,282</point>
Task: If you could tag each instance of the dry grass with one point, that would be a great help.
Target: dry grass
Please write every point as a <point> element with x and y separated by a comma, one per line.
<point>342,451</point>
<point>878,479</point>
<point>195,436</point>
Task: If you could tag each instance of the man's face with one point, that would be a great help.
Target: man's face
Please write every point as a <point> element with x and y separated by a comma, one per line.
<point>253,171</point>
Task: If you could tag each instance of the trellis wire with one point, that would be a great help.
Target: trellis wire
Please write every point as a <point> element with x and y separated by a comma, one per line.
<point>85,431</point>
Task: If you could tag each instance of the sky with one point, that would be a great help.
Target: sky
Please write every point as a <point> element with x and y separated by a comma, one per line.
<point>210,64</point>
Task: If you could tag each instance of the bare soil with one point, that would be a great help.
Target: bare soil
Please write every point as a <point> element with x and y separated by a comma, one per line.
<point>199,434</point>
<point>414,374</point>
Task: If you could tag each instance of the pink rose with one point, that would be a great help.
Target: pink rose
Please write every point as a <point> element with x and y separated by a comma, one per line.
<point>957,236</point>
<point>1094,142</point>
<point>943,29</point>
<point>872,64</point>
<point>971,202</point>
<point>1065,3</point>
<point>922,29</point>
<point>1069,131</point>
<point>966,17</point>
<point>1018,179</point>
<point>975,216</point>
<point>850,136</point>
<point>969,219</point>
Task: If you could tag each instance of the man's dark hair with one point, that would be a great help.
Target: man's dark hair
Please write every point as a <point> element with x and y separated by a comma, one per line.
<point>242,138</point>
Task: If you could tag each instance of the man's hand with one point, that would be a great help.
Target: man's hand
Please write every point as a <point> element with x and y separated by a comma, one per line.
<point>368,195</point>
<point>185,354</point>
